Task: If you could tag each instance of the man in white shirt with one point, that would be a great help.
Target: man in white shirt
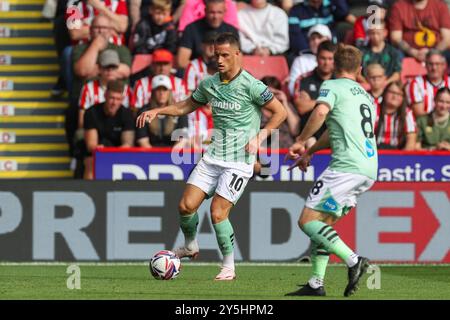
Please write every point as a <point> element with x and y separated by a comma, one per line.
<point>264,29</point>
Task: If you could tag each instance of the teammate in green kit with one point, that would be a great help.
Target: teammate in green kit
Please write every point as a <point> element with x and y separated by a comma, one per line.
<point>236,99</point>
<point>349,113</point>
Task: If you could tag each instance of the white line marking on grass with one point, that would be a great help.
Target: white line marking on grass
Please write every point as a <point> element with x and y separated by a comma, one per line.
<point>201,264</point>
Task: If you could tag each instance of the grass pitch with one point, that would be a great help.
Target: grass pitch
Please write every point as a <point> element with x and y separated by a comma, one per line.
<point>254,281</point>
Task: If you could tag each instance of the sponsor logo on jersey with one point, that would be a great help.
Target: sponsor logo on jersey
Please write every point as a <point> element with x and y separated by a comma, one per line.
<point>266,95</point>
<point>323,92</point>
<point>330,204</point>
<point>370,151</point>
<point>225,105</point>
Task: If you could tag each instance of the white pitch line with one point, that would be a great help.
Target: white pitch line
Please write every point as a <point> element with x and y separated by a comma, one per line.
<point>200,264</point>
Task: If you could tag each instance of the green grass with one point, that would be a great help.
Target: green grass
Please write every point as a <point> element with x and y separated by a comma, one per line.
<point>256,282</point>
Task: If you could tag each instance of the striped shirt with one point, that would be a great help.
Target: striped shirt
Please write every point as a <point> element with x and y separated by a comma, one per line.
<point>376,101</point>
<point>93,93</point>
<point>196,71</point>
<point>422,90</point>
<point>87,13</point>
<point>143,90</point>
<point>388,134</point>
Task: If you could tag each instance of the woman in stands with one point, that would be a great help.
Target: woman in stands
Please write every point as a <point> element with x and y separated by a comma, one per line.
<point>159,132</point>
<point>395,126</point>
<point>434,128</point>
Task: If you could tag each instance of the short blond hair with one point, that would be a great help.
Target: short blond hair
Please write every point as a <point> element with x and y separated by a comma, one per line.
<point>347,59</point>
<point>374,66</point>
<point>165,5</point>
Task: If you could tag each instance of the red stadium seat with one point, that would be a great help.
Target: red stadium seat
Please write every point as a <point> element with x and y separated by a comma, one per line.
<point>267,66</point>
<point>140,62</point>
<point>411,68</point>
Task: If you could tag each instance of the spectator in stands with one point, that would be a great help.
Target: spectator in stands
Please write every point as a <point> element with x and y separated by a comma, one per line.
<point>155,31</point>
<point>395,126</point>
<point>360,34</point>
<point>139,10</point>
<point>194,10</point>
<point>308,92</point>
<point>203,66</point>
<point>191,41</point>
<point>307,60</point>
<point>422,89</point>
<point>306,14</point>
<point>288,129</point>
<point>434,128</point>
<point>263,29</point>
<point>416,26</point>
<point>381,52</point>
<point>376,78</point>
<point>108,124</point>
<point>93,92</point>
<point>115,11</point>
<point>162,63</point>
<point>159,132</point>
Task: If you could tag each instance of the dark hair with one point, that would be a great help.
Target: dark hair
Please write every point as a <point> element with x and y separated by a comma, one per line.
<point>271,81</point>
<point>401,115</point>
<point>347,58</point>
<point>213,1</point>
<point>441,91</point>
<point>327,45</point>
<point>227,37</point>
<point>115,86</point>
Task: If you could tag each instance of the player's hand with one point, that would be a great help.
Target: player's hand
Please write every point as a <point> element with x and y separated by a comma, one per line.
<point>303,162</point>
<point>296,150</point>
<point>146,117</point>
<point>252,146</point>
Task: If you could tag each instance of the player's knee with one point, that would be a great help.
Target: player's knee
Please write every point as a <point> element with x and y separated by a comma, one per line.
<point>186,207</point>
<point>217,216</point>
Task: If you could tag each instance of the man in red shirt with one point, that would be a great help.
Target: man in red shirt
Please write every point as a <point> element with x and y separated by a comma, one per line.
<point>418,25</point>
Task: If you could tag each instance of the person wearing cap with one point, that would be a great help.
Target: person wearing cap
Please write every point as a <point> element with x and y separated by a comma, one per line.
<point>159,132</point>
<point>93,92</point>
<point>307,61</point>
<point>360,36</point>
<point>156,30</point>
<point>107,124</point>
<point>263,29</point>
<point>191,40</point>
<point>416,26</point>
<point>306,14</point>
<point>162,63</point>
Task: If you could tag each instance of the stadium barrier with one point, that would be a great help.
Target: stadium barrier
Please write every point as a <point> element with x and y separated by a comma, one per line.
<point>130,220</point>
<point>162,164</point>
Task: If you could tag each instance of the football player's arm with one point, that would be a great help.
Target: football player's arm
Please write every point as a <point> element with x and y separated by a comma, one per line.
<point>322,143</point>
<point>279,114</point>
<point>315,121</point>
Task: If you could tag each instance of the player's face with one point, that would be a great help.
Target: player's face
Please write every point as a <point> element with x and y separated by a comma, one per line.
<point>435,66</point>
<point>394,96</point>
<point>325,62</point>
<point>227,57</point>
<point>214,13</point>
<point>113,101</point>
<point>442,104</point>
<point>376,79</point>
<point>162,95</point>
<point>162,68</point>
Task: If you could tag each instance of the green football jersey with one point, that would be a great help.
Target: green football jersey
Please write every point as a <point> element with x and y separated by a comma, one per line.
<point>236,111</point>
<point>350,123</point>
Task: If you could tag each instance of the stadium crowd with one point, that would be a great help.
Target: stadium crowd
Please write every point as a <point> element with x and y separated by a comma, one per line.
<point>98,41</point>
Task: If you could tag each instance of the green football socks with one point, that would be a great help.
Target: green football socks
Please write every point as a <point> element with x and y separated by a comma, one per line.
<point>225,237</point>
<point>188,224</point>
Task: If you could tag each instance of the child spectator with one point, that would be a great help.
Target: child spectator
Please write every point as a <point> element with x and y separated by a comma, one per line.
<point>434,128</point>
<point>395,126</point>
<point>376,78</point>
<point>361,26</point>
<point>155,31</point>
<point>159,132</point>
<point>379,51</point>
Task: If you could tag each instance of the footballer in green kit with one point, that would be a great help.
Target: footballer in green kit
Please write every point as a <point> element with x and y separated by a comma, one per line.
<point>350,114</point>
<point>236,99</point>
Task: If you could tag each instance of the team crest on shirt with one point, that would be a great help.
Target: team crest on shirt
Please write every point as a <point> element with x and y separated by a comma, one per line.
<point>323,92</point>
